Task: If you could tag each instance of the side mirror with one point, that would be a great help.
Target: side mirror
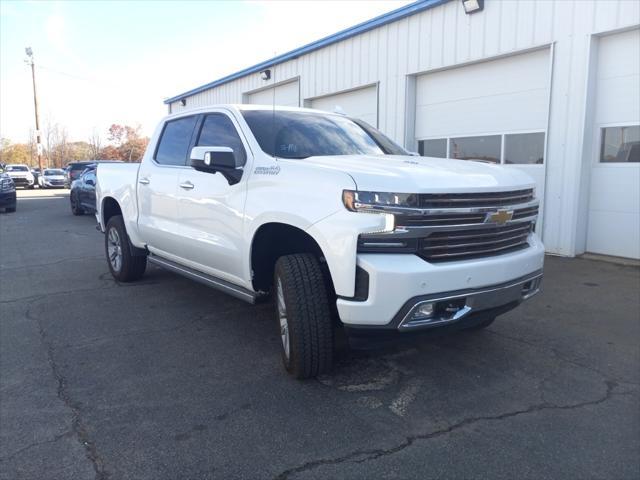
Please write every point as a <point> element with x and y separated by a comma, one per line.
<point>213,159</point>
<point>217,159</point>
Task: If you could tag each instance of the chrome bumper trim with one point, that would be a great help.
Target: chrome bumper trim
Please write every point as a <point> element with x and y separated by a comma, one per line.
<point>474,301</point>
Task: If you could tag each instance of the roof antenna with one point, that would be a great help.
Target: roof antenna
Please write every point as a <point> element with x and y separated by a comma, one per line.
<point>273,114</point>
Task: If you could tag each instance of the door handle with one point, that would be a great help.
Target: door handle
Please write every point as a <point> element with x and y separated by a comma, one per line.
<point>187,185</point>
<point>144,181</point>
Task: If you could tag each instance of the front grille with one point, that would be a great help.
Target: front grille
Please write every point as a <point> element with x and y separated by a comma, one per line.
<point>472,200</point>
<point>454,218</point>
<point>474,243</point>
<point>451,227</point>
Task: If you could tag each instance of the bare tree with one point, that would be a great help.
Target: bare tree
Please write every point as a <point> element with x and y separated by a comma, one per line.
<point>57,140</point>
<point>95,144</point>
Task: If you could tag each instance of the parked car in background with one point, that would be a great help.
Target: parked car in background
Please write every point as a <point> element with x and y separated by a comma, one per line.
<point>7,193</point>
<point>83,192</point>
<point>21,175</point>
<point>52,178</point>
<point>75,169</point>
<point>36,176</point>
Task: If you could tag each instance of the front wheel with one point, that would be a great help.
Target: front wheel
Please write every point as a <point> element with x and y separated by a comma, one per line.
<point>304,316</point>
<point>124,266</point>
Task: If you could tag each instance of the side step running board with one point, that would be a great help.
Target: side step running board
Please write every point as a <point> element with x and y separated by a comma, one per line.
<point>211,281</point>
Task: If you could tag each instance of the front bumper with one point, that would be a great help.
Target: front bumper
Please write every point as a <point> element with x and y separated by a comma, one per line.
<point>8,199</point>
<point>399,282</point>
<point>22,181</point>
<point>53,183</point>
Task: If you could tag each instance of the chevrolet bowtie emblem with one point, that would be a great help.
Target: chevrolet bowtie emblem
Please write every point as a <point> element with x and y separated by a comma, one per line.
<point>500,217</point>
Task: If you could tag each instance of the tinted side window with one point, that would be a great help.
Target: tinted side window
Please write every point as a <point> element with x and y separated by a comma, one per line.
<point>174,142</point>
<point>218,131</point>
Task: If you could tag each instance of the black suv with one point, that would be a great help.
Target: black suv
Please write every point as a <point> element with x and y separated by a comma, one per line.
<point>74,169</point>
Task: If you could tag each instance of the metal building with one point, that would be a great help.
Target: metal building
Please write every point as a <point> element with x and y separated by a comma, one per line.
<point>550,87</point>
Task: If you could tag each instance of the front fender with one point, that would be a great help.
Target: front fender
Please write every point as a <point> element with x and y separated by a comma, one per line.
<point>337,236</point>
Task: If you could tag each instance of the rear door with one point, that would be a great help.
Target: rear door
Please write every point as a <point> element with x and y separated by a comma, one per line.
<point>158,220</point>
<point>210,209</point>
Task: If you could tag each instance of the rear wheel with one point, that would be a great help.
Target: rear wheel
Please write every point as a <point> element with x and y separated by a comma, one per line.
<point>76,209</point>
<point>124,266</point>
<point>304,315</point>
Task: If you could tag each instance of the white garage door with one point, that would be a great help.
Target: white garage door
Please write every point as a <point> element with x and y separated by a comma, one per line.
<point>286,95</point>
<point>361,103</point>
<point>494,111</point>
<point>614,199</point>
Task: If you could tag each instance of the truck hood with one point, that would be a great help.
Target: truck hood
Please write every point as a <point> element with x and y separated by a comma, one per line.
<point>409,174</point>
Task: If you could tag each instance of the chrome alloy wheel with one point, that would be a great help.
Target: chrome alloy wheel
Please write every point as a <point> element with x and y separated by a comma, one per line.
<point>114,249</point>
<point>282,316</point>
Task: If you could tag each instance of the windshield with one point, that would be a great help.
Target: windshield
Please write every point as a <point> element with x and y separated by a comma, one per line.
<point>290,134</point>
<point>17,168</point>
<point>55,171</point>
<point>79,166</point>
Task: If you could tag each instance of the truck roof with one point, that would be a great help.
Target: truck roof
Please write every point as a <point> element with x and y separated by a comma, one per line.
<point>239,107</point>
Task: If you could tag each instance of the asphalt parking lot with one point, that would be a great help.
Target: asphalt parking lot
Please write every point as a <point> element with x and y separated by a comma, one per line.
<point>166,379</point>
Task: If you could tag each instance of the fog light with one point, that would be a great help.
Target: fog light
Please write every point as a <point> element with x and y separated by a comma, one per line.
<point>424,310</point>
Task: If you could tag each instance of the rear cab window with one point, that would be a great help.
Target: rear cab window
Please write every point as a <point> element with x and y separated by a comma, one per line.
<point>173,147</point>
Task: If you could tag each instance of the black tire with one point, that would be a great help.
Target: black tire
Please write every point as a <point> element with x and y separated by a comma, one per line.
<point>32,186</point>
<point>131,267</point>
<point>76,209</point>
<point>307,315</point>
<point>482,324</point>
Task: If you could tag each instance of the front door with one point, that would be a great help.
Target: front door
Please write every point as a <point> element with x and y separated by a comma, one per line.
<point>210,209</point>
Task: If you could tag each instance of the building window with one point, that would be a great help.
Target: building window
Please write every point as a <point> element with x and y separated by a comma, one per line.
<point>620,144</point>
<point>524,148</point>
<point>485,148</point>
<point>433,148</point>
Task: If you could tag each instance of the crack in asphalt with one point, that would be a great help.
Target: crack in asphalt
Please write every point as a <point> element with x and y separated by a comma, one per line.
<point>78,427</point>
<point>11,456</point>
<point>361,456</point>
<point>562,358</point>
<point>46,264</point>
<point>52,294</point>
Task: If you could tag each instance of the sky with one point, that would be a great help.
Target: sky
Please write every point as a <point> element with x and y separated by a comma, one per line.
<point>105,62</point>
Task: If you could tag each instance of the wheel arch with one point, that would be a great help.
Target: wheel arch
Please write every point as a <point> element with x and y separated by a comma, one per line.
<point>270,241</point>
<point>109,208</point>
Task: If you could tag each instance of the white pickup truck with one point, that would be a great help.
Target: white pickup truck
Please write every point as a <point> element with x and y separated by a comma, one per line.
<point>339,226</point>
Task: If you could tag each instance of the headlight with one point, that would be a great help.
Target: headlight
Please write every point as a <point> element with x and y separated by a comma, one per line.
<point>376,203</point>
<point>362,201</point>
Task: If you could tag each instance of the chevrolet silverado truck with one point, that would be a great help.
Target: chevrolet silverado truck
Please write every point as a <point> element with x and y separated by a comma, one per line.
<point>341,228</point>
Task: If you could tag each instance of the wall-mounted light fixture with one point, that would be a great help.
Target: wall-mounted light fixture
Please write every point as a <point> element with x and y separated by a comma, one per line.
<point>472,6</point>
<point>265,74</point>
<point>183,102</point>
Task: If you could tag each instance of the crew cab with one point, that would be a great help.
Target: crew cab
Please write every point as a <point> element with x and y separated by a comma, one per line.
<point>341,228</point>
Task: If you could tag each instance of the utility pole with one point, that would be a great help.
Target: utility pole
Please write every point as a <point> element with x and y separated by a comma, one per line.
<point>39,149</point>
